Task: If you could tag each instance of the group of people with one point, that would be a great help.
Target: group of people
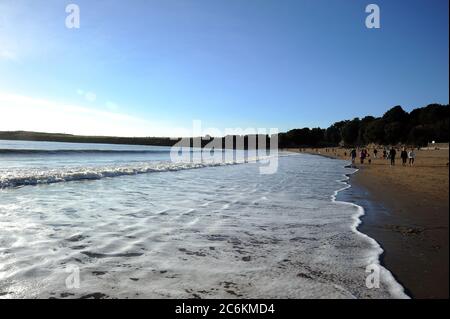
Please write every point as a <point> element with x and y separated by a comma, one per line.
<point>408,157</point>
<point>363,155</point>
<point>405,155</point>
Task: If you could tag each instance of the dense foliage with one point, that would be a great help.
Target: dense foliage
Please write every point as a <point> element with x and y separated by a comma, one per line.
<point>419,127</point>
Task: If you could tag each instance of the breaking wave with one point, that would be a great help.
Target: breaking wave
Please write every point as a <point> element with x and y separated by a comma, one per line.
<point>26,177</point>
<point>75,152</point>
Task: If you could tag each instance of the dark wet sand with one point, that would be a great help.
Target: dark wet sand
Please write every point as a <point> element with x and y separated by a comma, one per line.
<point>413,231</point>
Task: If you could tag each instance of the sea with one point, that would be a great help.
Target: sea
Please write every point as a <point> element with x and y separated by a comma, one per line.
<point>122,221</point>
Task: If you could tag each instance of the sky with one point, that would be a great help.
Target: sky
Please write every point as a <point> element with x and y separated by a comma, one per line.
<point>152,67</point>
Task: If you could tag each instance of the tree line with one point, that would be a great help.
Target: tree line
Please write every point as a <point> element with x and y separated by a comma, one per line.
<point>419,127</point>
<point>396,126</point>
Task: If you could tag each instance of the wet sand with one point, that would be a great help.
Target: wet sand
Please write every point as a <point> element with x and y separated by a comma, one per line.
<point>407,213</point>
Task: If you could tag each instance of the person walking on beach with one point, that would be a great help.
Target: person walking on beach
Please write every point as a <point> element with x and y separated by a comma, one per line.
<point>353,156</point>
<point>362,156</point>
<point>412,157</point>
<point>384,154</point>
<point>404,156</point>
<point>375,152</point>
<point>392,154</point>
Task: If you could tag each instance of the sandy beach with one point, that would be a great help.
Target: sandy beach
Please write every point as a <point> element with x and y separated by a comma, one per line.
<point>408,216</point>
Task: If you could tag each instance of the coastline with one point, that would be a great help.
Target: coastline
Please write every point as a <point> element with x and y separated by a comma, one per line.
<point>396,289</point>
<point>406,212</point>
<point>412,231</point>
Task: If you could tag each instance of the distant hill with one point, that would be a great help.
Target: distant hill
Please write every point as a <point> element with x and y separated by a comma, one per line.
<point>68,138</point>
<point>153,141</point>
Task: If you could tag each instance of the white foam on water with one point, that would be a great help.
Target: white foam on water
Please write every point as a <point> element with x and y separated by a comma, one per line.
<point>215,232</point>
<point>38,176</point>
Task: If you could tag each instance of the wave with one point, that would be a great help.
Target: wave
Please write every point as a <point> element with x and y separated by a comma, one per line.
<point>74,152</point>
<point>30,177</point>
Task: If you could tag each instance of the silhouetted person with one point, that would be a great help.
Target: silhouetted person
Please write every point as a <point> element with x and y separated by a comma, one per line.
<point>353,156</point>
<point>404,156</point>
<point>362,156</point>
<point>392,154</point>
<point>375,152</point>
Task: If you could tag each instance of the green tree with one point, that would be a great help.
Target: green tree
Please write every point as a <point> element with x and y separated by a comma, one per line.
<point>374,132</point>
<point>350,132</point>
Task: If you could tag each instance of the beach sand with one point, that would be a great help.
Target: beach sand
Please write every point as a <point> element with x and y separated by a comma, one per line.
<point>408,217</point>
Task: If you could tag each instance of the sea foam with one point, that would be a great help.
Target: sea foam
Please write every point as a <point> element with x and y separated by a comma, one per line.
<point>221,231</point>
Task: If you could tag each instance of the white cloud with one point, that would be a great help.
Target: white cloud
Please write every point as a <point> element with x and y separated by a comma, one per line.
<point>19,112</point>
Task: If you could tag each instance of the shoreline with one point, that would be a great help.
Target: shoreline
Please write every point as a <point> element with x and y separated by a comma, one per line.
<point>355,196</point>
<point>415,245</point>
<point>395,287</point>
<point>406,213</point>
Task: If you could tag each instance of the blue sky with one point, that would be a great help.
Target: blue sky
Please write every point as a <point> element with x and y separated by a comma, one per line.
<point>157,65</point>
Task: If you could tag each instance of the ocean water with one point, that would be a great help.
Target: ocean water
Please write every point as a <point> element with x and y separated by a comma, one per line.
<point>86,221</point>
